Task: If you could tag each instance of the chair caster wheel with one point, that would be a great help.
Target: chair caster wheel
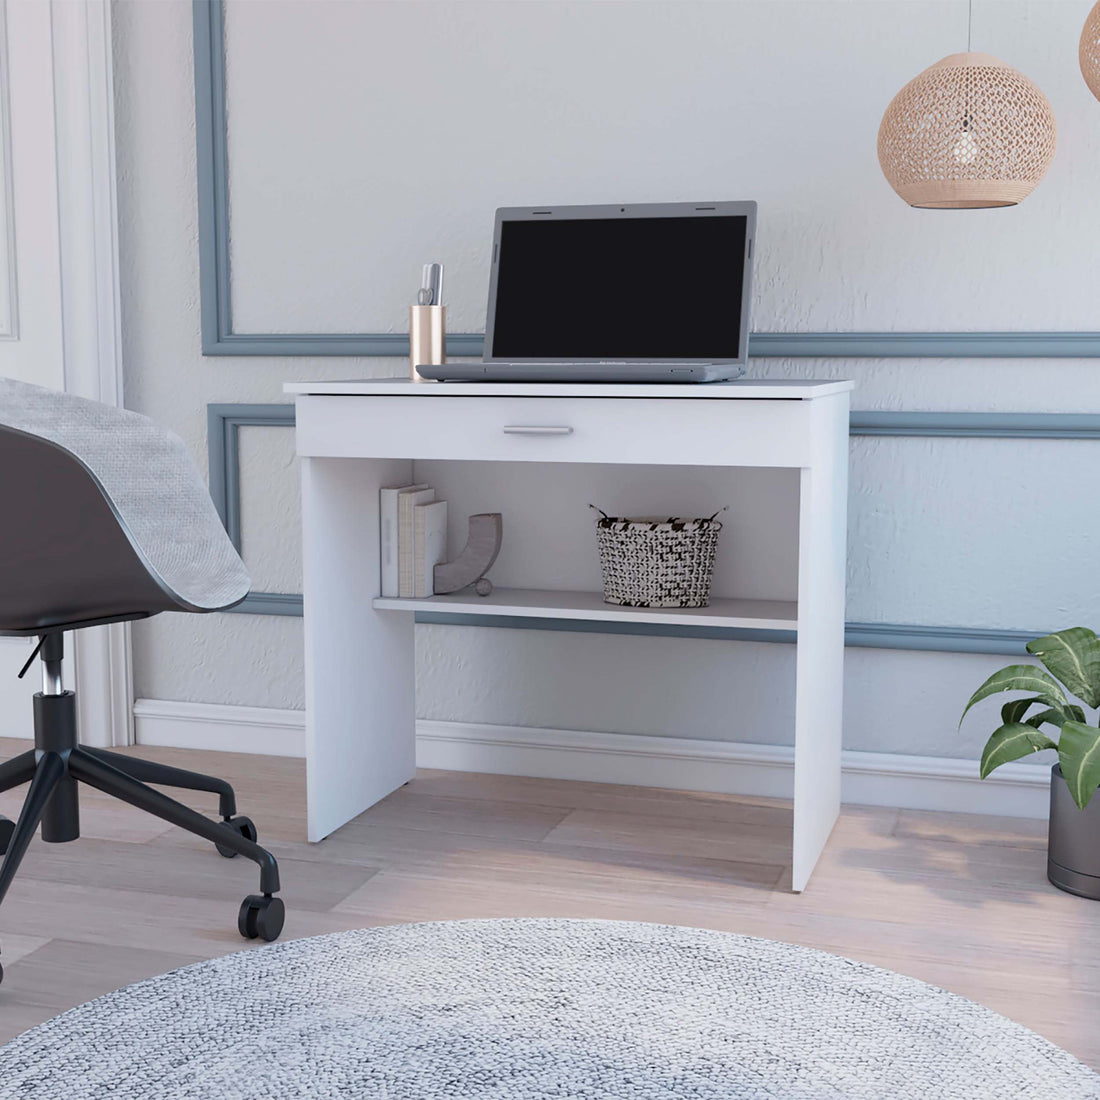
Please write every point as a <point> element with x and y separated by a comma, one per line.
<point>7,827</point>
<point>242,825</point>
<point>261,916</point>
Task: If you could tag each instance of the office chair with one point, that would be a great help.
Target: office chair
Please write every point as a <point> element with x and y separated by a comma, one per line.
<point>105,519</point>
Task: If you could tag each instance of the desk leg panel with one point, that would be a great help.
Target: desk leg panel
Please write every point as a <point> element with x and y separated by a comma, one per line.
<point>360,690</point>
<point>820,675</point>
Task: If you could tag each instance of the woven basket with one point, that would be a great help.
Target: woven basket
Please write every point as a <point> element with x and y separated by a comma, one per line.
<point>651,562</point>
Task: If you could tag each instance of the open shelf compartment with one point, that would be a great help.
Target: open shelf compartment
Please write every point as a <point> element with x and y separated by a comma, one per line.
<point>551,604</point>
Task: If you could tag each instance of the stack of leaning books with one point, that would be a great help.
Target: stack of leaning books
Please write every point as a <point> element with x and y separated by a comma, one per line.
<point>414,540</point>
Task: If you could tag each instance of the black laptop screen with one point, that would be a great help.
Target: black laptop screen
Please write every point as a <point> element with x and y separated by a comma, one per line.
<point>620,288</point>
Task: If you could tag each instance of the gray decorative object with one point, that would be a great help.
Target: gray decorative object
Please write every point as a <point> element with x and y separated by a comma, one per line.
<point>469,568</point>
<point>654,562</point>
<point>530,1010</point>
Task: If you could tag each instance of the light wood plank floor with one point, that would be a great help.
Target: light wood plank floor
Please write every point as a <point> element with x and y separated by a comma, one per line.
<point>957,900</point>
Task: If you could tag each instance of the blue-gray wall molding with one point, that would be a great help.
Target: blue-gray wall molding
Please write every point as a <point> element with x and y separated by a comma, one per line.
<point>223,451</point>
<point>223,444</point>
<point>218,337</point>
<point>942,639</point>
<point>962,425</point>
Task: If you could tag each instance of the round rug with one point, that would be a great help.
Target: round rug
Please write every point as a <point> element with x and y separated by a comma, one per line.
<point>524,1009</point>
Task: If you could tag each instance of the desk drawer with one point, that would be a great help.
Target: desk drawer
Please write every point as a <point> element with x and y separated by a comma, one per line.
<point>676,431</point>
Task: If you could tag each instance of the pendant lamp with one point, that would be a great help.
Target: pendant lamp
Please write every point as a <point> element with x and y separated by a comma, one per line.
<point>968,132</point>
<point>1090,51</point>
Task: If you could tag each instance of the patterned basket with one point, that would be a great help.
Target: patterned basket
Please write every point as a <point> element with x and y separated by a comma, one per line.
<point>651,562</point>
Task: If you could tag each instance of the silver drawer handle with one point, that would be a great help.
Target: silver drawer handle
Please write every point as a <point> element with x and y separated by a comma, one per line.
<point>537,429</point>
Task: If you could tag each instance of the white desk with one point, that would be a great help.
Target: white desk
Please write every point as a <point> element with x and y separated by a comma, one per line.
<point>355,437</point>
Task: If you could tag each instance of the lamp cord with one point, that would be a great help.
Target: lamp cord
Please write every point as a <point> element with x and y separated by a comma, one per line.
<point>969,22</point>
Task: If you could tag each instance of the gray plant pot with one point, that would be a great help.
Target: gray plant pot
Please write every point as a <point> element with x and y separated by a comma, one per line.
<point>1073,843</point>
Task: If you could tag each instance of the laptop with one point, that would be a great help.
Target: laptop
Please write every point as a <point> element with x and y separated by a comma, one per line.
<point>651,293</point>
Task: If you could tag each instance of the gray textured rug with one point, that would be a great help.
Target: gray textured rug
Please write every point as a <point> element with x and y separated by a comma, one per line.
<point>523,1009</point>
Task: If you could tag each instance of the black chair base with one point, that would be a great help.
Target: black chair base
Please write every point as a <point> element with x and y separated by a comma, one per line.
<point>58,764</point>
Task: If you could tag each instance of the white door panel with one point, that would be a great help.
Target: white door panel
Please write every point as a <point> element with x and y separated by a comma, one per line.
<point>58,282</point>
<point>31,249</point>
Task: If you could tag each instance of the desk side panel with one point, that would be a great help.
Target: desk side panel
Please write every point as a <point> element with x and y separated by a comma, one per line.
<point>822,548</point>
<point>360,705</point>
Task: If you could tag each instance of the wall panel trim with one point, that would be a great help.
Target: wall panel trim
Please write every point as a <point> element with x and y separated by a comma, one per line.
<point>85,175</point>
<point>984,425</point>
<point>224,422</point>
<point>218,337</point>
<point>223,449</point>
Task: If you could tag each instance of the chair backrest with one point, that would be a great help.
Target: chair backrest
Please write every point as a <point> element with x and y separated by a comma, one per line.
<point>103,516</point>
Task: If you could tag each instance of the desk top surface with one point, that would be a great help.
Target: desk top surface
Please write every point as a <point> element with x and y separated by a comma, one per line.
<point>754,389</point>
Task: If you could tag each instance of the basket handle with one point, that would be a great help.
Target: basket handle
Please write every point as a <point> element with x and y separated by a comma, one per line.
<point>726,508</point>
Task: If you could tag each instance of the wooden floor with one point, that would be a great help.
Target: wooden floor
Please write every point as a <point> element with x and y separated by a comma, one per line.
<point>957,900</point>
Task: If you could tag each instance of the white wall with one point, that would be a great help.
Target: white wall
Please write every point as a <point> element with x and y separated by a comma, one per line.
<point>345,176</point>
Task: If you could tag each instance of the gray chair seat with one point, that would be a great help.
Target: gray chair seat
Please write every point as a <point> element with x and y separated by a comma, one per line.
<point>123,525</point>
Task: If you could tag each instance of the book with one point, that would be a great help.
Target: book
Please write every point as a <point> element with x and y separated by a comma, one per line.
<point>387,511</point>
<point>429,545</point>
<point>406,502</point>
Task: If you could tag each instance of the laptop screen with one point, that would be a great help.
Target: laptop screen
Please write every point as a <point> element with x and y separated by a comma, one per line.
<point>620,288</point>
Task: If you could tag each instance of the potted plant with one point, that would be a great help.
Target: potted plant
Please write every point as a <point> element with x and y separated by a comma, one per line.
<point>1072,660</point>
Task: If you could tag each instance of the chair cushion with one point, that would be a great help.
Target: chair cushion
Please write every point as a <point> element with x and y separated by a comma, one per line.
<point>152,484</point>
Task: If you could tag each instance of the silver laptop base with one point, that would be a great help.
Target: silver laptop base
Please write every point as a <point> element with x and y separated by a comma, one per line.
<point>580,372</point>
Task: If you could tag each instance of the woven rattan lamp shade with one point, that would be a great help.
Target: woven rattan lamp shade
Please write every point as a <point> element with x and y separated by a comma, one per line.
<point>968,132</point>
<point>1090,51</point>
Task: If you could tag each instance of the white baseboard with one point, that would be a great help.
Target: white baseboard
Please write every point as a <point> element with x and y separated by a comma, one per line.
<point>267,731</point>
<point>870,778</point>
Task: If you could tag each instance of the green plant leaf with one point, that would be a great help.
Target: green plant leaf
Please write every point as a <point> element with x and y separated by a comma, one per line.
<point>1079,755</point>
<point>1010,743</point>
<point>1015,709</point>
<point>1074,657</point>
<point>1051,716</point>
<point>1020,678</point>
<point>1075,712</point>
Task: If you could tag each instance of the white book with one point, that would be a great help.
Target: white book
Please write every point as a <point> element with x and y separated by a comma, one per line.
<point>429,545</point>
<point>406,502</point>
<point>387,511</point>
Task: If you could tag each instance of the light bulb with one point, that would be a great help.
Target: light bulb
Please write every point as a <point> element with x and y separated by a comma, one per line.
<point>965,149</point>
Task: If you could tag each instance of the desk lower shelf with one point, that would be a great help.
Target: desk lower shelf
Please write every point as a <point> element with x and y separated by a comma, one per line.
<point>539,603</point>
